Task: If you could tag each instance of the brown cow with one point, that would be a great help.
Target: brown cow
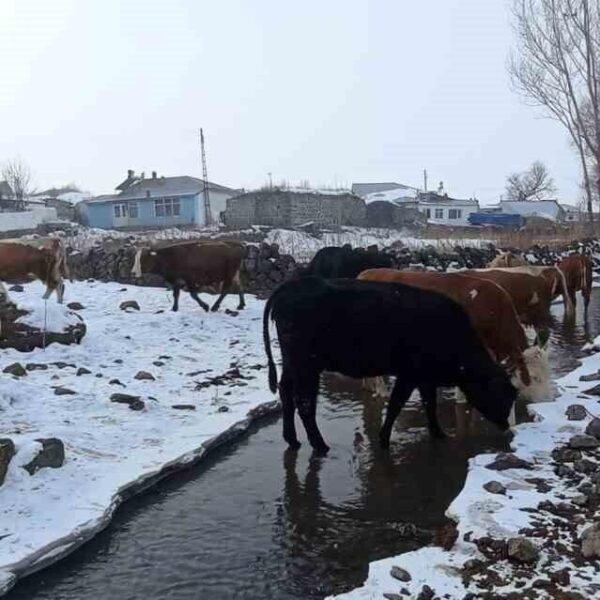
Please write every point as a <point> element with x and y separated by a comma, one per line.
<point>530,294</point>
<point>192,265</point>
<point>507,259</point>
<point>494,318</point>
<point>577,269</point>
<point>21,261</point>
<point>554,278</point>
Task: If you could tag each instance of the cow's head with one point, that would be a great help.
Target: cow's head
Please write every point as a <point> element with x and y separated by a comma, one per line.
<point>535,386</point>
<point>143,261</point>
<point>492,394</point>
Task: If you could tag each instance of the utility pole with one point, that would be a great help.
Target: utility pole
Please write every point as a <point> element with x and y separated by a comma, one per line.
<point>270,180</point>
<point>424,180</point>
<point>208,220</point>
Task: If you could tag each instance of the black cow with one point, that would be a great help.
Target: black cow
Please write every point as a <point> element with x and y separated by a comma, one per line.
<point>365,329</point>
<point>334,262</point>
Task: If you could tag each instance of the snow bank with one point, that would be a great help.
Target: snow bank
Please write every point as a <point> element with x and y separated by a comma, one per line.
<point>48,315</point>
<point>480,513</point>
<point>213,363</point>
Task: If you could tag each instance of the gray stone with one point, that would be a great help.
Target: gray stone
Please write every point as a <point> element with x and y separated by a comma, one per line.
<point>144,376</point>
<point>36,367</point>
<point>15,369</point>
<point>565,454</point>
<point>52,454</point>
<point>400,574</point>
<point>134,402</point>
<point>75,306</point>
<point>585,466</point>
<point>576,412</point>
<point>223,409</point>
<point>593,428</point>
<point>507,460</point>
<point>494,487</point>
<point>593,391</point>
<point>63,391</point>
<point>579,500</point>
<point>426,593</point>
<point>522,550</point>
<point>391,596</point>
<point>183,406</point>
<point>129,304</point>
<point>590,541</point>
<point>7,451</point>
<point>16,288</point>
<point>583,441</point>
<point>83,371</point>
<point>590,377</point>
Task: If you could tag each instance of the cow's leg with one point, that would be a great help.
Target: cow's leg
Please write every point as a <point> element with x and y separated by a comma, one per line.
<point>60,292</point>
<point>286,394</point>
<point>237,280</point>
<point>429,399</point>
<point>225,287</point>
<point>400,394</point>
<point>306,389</point>
<point>194,295</point>
<point>176,290</point>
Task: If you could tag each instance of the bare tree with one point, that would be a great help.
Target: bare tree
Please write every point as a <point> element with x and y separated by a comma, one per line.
<point>18,176</point>
<point>533,184</point>
<point>556,66</point>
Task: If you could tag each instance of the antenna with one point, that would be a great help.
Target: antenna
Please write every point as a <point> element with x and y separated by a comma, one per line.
<point>424,180</point>
<point>208,220</point>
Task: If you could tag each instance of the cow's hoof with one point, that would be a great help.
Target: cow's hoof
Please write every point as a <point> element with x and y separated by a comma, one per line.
<point>321,449</point>
<point>214,309</point>
<point>174,309</point>
<point>241,306</point>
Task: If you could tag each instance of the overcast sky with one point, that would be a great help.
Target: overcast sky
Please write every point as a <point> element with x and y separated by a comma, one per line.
<point>331,91</point>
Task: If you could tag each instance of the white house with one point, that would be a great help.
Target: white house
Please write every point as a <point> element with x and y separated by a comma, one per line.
<point>442,210</point>
<point>547,209</point>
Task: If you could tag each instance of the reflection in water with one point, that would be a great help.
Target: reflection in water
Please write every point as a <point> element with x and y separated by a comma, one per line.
<point>256,521</point>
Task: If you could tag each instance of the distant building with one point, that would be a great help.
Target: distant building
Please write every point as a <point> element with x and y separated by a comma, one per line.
<point>545,209</point>
<point>391,191</point>
<point>287,208</point>
<point>443,210</point>
<point>155,202</point>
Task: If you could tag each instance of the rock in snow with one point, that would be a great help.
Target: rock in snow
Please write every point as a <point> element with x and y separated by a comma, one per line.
<point>7,451</point>
<point>507,460</point>
<point>583,441</point>
<point>15,369</point>
<point>576,412</point>
<point>400,574</point>
<point>144,376</point>
<point>494,487</point>
<point>590,541</point>
<point>51,454</point>
<point>522,550</point>
<point>593,428</point>
<point>129,304</point>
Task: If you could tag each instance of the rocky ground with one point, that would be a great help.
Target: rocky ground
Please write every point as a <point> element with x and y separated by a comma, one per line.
<point>82,426</point>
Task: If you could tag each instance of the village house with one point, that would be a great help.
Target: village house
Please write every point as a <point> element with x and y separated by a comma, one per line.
<point>545,209</point>
<point>155,202</point>
<point>442,210</point>
<point>294,208</point>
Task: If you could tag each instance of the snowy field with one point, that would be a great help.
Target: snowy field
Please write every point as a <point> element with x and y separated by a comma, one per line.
<point>513,513</point>
<point>210,363</point>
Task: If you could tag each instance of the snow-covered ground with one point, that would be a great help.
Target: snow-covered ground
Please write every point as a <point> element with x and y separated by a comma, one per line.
<point>516,512</point>
<point>211,362</point>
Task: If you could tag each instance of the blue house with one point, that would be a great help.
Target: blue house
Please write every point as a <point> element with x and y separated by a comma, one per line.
<point>155,202</point>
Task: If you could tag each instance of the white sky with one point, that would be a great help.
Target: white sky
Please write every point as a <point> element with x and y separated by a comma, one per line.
<point>332,91</point>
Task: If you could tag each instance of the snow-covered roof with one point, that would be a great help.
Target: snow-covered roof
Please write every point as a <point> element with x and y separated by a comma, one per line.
<point>74,197</point>
<point>397,195</point>
<point>548,209</point>
<point>365,189</point>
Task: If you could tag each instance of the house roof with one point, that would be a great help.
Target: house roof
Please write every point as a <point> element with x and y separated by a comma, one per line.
<point>157,187</point>
<point>548,209</point>
<point>397,195</point>
<point>433,198</point>
<point>5,190</point>
<point>364,189</point>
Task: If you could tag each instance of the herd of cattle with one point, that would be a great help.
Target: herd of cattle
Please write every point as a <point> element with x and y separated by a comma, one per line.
<point>352,313</point>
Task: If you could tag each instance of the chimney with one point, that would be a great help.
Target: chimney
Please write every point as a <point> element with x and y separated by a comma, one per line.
<point>130,173</point>
<point>153,174</point>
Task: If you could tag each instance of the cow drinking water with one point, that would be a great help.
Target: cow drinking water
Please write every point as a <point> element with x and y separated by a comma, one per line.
<point>367,329</point>
<point>192,265</point>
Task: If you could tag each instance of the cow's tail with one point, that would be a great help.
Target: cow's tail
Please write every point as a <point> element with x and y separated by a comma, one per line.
<point>267,343</point>
<point>569,308</point>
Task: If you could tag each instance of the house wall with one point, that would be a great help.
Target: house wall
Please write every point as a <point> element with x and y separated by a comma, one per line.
<point>218,203</point>
<point>29,219</point>
<point>445,219</point>
<point>280,208</point>
<point>101,214</point>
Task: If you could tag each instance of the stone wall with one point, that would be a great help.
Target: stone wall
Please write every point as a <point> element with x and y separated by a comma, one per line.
<point>282,208</point>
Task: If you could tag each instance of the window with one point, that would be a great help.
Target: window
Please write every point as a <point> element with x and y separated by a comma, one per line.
<point>133,210</point>
<point>167,207</point>
<point>454,213</point>
<point>120,211</point>
<point>439,213</point>
<point>428,213</point>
